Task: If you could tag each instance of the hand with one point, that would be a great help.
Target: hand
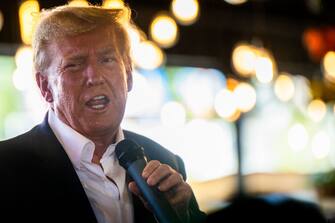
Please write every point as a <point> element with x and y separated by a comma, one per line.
<point>169,181</point>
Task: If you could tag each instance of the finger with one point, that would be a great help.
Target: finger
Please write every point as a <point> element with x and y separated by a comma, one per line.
<point>170,182</point>
<point>159,174</point>
<point>150,168</point>
<point>181,195</point>
<point>134,189</point>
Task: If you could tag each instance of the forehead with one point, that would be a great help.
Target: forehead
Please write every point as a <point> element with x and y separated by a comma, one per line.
<point>99,40</point>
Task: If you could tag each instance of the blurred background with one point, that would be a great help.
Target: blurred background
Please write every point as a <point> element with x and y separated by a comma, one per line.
<point>240,89</point>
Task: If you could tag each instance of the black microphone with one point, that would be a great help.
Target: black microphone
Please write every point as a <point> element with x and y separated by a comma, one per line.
<point>131,157</point>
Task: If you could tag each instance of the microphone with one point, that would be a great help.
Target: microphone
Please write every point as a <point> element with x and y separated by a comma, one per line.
<point>131,157</point>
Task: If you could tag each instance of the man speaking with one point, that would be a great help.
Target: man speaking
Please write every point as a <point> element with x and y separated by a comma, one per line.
<point>65,169</point>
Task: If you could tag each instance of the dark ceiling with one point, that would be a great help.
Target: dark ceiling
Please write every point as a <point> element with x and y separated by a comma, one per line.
<point>276,24</point>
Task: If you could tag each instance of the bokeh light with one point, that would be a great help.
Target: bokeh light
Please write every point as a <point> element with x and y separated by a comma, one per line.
<point>243,59</point>
<point>185,11</point>
<point>284,87</point>
<point>264,69</point>
<point>317,110</point>
<point>236,2</point>
<point>245,96</point>
<point>173,114</point>
<point>135,37</point>
<point>28,16</point>
<point>164,30</point>
<point>24,57</point>
<point>329,65</point>
<point>321,145</point>
<point>297,137</point>
<point>225,104</point>
<point>197,89</point>
<point>23,77</point>
<point>113,4</point>
<point>78,3</point>
<point>200,134</point>
<point>146,88</point>
<point>1,20</point>
<point>148,55</point>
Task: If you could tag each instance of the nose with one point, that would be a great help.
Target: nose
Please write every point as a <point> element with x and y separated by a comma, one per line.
<point>93,75</point>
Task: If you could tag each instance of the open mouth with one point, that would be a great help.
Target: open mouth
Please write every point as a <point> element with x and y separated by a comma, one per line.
<point>98,102</point>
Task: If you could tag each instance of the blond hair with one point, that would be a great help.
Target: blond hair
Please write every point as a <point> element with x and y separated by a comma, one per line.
<point>65,21</point>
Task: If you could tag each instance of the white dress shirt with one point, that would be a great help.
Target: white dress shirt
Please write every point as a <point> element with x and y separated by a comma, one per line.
<point>110,201</point>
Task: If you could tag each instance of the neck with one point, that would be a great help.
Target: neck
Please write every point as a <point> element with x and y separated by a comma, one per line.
<point>101,145</point>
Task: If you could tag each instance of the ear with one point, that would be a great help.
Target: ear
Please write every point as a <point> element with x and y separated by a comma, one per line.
<point>43,84</point>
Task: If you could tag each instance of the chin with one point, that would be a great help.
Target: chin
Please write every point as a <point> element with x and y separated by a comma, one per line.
<point>104,125</point>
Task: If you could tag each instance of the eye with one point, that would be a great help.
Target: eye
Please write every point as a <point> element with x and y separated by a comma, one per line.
<point>72,66</point>
<point>69,66</point>
<point>108,59</point>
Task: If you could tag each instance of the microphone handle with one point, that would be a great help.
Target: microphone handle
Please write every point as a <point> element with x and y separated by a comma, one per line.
<point>162,209</point>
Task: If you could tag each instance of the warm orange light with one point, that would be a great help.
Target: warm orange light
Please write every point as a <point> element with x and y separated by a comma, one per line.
<point>329,65</point>
<point>284,87</point>
<point>244,59</point>
<point>185,11</point>
<point>148,55</point>
<point>78,3</point>
<point>317,110</point>
<point>1,19</point>
<point>28,16</point>
<point>164,30</point>
<point>113,4</point>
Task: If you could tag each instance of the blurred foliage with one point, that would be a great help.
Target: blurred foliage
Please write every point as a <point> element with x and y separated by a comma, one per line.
<point>8,93</point>
<point>325,183</point>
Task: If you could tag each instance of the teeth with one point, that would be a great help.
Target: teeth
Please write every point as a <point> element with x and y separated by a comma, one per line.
<point>98,102</point>
<point>98,106</point>
<point>99,97</point>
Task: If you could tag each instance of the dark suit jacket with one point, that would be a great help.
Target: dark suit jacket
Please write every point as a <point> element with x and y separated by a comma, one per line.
<point>39,184</point>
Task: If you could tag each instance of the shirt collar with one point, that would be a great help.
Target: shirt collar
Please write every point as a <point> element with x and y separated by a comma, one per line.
<point>78,147</point>
<point>111,148</point>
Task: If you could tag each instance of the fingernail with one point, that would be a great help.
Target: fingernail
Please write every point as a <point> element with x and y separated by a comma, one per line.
<point>149,181</point>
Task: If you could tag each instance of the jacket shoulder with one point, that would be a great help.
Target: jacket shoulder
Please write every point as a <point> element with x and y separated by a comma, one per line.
<point>19,141</point>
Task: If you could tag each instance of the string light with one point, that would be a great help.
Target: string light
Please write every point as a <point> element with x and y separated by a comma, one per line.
<point>243,59</point>
<point>225,104</point>
<point>164,30</point>
<point>113,4</point>
<point>185,11</point>
<point>148,55</point>
<point>284,87</point>
<point>245,96</point>
<point>329,66</point>
<point>236,2</point>
<point>297,137</point>
<point>1,20</point>
<point>317,110</point>
<point>28,15</point>
<point>78,3</point>
<point>264,69</point>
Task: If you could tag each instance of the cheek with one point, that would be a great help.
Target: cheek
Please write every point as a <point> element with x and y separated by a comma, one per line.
<point>66,95</point>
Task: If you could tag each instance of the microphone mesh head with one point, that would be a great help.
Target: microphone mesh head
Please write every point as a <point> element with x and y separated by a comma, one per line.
<point>128,151</point>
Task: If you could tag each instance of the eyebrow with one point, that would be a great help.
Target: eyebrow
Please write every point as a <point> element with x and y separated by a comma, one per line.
<point>108,50</point>
<point>75,57</point>
<point>83,56</point>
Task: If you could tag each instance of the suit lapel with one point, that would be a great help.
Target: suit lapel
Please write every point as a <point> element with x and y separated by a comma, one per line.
<point>61,182</point>
<point>60,174</point>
